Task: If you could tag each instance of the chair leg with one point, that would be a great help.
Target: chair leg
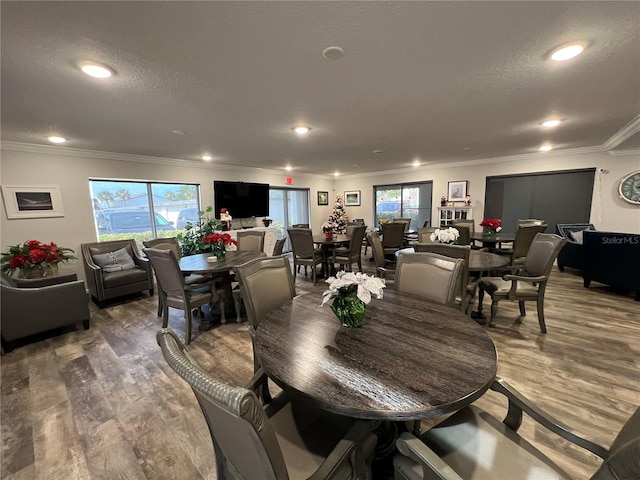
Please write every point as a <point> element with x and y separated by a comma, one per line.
<point>237,303</point>
<point>165,316</point>
<point>494,313</point>
<point>187,316</point>
<point>296,268</point>
<point>523,311</point>
<point>543,326</point>
<point>313,272</point>
<point>480,300</point>
<point>223,315</point>
<point>160,305</point>
<point>86,323</point>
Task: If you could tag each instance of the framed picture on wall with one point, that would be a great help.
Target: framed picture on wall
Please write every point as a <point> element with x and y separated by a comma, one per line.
<point>457,191</point>
<point>323,198</point>
<point>32,202</point>
<point>352,198</point>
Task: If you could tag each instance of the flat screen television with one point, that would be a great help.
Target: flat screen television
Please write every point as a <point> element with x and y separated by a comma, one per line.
<point>241,199</point>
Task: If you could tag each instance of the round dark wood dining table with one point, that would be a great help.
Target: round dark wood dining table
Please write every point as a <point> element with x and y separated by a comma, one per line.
<point>412,359</point>
<point>199,263</point>
<point>479,261</point>
<point>492,240</point>
<point>328,244</point>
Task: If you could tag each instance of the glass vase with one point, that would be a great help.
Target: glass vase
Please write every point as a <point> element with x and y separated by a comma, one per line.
<point>490,232</point>
<point>349,309</point>
<point>221,253</point>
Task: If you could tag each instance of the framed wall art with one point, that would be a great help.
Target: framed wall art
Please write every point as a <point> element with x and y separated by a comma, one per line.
<point>457,191</point>
<point>352,198</point>
<point>32,202</point>
<point>323,198</point>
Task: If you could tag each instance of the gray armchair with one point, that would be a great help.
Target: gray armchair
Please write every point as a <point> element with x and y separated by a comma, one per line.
<point>472,444</point>
<point>284,440</point>
<point>105,285</point>
<point>527,284</point>
<point>35,306</point>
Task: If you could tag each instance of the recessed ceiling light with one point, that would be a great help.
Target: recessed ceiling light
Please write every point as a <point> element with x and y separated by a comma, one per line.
<point>545,147</point>
<point>207,157</point>
<point>336,174</point>
<point>378,152</point>
<point>177,132</point>
<point>467,148</point>
<point>302,129</point>
<point>333,53</point>
<point>416,163</point>
<point>96,70</point>
<point>551,123</point>
<point>288,168</point>
<point>566,52</point>
<point>56,139</point>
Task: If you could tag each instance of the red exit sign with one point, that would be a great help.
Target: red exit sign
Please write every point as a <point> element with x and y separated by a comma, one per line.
<point>288,180</point>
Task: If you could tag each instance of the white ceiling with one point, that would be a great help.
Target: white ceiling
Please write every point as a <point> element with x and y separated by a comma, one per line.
<point>434,81</point>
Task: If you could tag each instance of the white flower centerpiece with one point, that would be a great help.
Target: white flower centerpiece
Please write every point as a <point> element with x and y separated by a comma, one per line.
<point>328,227</point>
<point>351,292</point>
<point>445,235</point>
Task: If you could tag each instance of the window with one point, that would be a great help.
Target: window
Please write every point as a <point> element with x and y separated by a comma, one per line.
<point>410,200</point>
<point>287,207</point>
<point>122,209</point>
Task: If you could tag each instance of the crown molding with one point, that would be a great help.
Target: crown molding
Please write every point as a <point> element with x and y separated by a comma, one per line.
<point>125,157</point>
<point>482,161</point>
<point>623,134</point>
<point>624,153</point>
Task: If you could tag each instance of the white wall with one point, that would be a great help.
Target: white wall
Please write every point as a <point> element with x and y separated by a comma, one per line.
<point>608,210</point>
<point>71,170</point>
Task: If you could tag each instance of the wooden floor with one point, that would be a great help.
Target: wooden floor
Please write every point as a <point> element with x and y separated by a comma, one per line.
<point>103,404</point>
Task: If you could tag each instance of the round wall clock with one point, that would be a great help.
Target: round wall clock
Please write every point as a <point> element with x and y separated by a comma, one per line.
<point>629,188</point>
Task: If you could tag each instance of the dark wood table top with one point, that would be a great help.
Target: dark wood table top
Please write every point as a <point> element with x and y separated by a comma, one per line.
<point>497,238</point>
<point>479,261</point>
<point>336,240</point>
<point>198,263</point>
<point>412,359</point>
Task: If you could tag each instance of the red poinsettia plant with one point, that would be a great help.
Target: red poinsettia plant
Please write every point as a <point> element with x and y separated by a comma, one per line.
<point>34,253</point>
<point>494,224</point>
<point>218,242</point>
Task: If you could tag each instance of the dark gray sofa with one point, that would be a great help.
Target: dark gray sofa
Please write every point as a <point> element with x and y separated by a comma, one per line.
<point>35,306</point>
<point>572,254</point>
<point>613,259</point>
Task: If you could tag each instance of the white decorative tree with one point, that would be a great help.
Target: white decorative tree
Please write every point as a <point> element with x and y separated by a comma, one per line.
<point>339,216</point>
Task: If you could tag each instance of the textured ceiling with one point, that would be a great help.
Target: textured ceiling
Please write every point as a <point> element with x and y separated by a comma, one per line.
<point>434,81</point>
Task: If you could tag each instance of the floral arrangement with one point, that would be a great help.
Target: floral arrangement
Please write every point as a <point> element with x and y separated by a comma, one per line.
<point>192,239</point>
<point>345,283</point>
<point>494,224</point>
<point>218,243</point>
<point>329,226</point>
<point>34,253</point>
<point>445,235</point>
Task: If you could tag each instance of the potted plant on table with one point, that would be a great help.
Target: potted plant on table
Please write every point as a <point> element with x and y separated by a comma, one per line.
<point>192,240</point>
<point>445,235</point>
<point>351,292</point>
<point>491,226</point>
<point>35,259</point>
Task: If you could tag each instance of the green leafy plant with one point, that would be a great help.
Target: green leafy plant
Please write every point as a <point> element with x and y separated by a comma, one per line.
<point>34,253</point>
<point>192,239</point>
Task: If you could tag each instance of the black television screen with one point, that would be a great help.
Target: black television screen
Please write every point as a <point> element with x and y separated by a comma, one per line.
<point>241,199</point>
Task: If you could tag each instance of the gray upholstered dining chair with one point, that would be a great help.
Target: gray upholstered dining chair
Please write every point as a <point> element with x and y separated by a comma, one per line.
<point>266,283</point>
<point>385,268</point>
<point>472,445</point>
<point>171,244</point>
<point>250,240</point>
<point>525,234</point>
<point>279,246</point>
<point>527,284</point>
<point>424,234</point>
<point>115,268</point>
<point>286,439</point>
<point>304,252</point>
<point>406,221</point>
<point>464,222</point>
<point>346,256</point>
<point>530,221</point>
<point>468,285</point>
<point>176,293</point>
<point>429,275</point>
<point>392,237</point>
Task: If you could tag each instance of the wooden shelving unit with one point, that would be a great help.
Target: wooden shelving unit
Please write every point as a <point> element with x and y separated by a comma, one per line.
<point>446,215</point>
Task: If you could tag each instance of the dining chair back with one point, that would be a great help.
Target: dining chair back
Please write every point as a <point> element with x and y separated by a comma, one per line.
<point>406,221</point>
<point>176,293</point>
<point>284,440</point>
<point>527,284</point>
<point>464,222</point>
<point>346,256</point>
<point>424,234</point>
<point>304,252</point>
<point>530,221</point>
<point>300,225</point>
<point>266,283</point>
<point>473,443</point>
<point>467,287</point>
<point>429,275</point>
<point>279,246</point>
<point>392,237</point>
<point>521,243</point>
<point>250,240</point>
<point>385,268</point>
<point>465,236</point>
